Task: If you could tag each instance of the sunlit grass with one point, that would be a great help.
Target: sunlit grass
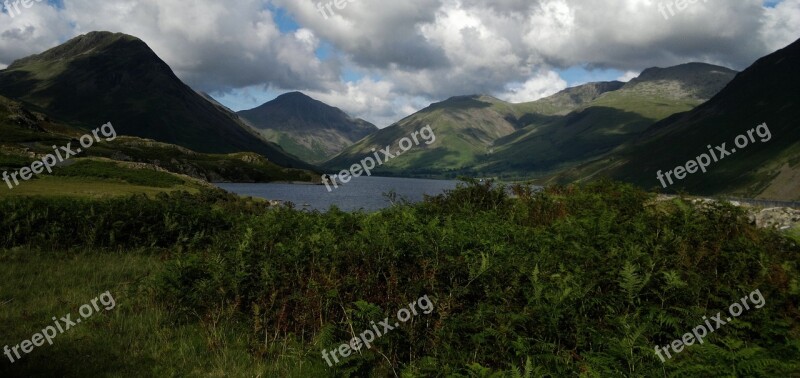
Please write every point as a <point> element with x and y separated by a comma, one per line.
<point>136,338</point>
<point>82,187</point>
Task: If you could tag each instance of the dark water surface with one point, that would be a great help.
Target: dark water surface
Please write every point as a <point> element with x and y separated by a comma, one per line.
<point>360,193</point>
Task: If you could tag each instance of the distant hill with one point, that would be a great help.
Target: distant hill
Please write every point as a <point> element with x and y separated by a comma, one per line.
<point>465,128</point>
<point>306,127</point>
<point>482,135</point>
<point>766,92</point>
<point>101,76</point>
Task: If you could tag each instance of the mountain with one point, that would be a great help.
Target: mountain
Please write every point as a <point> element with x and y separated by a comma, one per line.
<point>482,135</point>
<point>214,102</point>
<point>305,127</point>
<point>100,77</point>
<point>465,128</point>
<point>767,167</point>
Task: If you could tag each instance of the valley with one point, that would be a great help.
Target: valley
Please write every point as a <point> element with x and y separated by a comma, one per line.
<point>400,189</point>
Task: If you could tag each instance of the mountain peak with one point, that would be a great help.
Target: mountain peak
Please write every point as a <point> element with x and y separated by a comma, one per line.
<point>681,72</point>
<point>699,80</point>
<point>307,127</point>
<point>465,102</point>
<point>295,94</point>
<point>297,99</point>
<point>83,45</point>
<point>102,76</point>
<point>473,97</point>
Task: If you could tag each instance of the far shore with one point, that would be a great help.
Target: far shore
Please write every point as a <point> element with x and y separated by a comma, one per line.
<point>271,182</point>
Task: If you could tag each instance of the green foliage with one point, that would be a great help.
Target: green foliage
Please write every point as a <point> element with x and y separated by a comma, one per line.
<point>587,290</point>
<point>567,281</point>
<point>175,220</point>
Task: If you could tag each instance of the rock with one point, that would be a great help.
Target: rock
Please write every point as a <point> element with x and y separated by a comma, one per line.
<point>775,217</point>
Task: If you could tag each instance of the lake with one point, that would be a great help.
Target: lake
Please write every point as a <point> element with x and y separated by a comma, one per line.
<point>360,193</point>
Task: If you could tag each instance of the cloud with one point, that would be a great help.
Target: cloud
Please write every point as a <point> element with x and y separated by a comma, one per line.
<point>437,49</point>
<point>781,24</point>
<point>535,88</point>
<point>209,44</point>
<point>628,76</point>
<point>408,53</point>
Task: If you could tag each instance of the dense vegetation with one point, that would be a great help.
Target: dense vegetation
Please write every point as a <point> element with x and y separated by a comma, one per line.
<point>570,281</point>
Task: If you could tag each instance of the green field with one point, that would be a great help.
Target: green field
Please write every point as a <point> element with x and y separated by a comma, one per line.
<point>134,339</point>
<point>84,187</point>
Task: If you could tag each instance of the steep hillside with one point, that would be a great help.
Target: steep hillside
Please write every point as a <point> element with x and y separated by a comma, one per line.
<point>769,165</point>
<point>26,136</point>
<point>305,127</point>
<point>602,123</point>
<point>101,77</point>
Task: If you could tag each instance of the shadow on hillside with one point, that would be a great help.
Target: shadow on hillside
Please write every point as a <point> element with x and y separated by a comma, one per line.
<point>461,102</point>
<point>561,142</point>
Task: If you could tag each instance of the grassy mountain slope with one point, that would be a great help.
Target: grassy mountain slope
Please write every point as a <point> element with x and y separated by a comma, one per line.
<point>101,77</point>
<point>569,99</point>
<point>599,125</point>
<point>305,127</point>
<point>123,165</point>
<point>465,128</point>
<point>765,92</point>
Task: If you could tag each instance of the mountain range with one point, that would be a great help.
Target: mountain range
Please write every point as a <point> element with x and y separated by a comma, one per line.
<point>627,131</point>
<point>483,135</point>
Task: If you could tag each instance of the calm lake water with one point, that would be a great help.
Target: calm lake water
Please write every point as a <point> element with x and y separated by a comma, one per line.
<point>360,193</point>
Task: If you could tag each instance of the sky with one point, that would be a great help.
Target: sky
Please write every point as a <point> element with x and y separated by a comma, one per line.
<point>382,60</point>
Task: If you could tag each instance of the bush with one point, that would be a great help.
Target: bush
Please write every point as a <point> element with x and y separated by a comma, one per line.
<point>579,280</point>
<point>175,220</point>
